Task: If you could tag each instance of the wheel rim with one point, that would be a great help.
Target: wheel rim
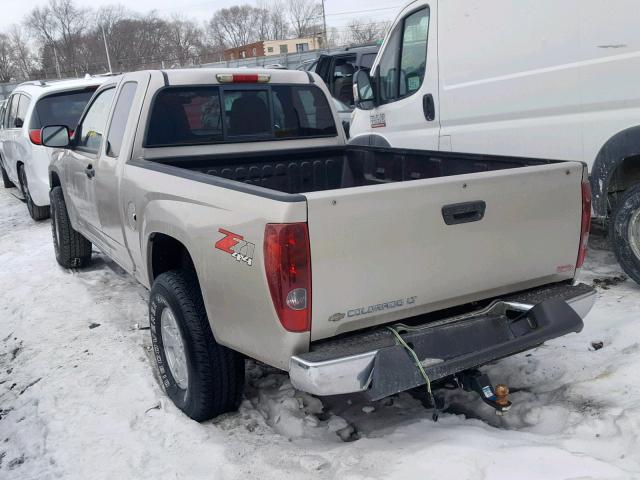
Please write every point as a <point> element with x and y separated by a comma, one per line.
<point>634,233</point>
<point>173,347</point>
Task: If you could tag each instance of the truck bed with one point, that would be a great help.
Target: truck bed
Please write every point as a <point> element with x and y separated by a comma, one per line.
<point>466,227</point>
<point>317,169</point>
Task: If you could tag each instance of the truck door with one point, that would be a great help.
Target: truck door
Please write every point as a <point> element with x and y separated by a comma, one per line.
<point>82,160</point>
<point>407,82</point>
<point>323,68</point>
<point>112,211</point>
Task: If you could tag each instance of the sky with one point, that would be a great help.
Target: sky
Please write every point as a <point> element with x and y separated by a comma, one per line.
<point>338,12</point>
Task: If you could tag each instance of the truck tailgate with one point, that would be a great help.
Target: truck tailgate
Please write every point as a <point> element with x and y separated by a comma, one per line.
<point>381,253</point>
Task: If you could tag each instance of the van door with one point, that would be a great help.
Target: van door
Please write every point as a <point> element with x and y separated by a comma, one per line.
<point>504,93</point>
<point>406,74</point>
<point>117,215</point>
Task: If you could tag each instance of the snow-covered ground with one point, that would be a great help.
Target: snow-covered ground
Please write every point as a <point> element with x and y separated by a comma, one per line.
<point>79,399</point>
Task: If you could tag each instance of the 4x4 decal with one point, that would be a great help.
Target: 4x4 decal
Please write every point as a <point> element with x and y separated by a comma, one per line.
<point>236,246</point>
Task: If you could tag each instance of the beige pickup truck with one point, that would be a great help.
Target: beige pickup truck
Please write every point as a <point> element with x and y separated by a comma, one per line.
<point>233,196</point>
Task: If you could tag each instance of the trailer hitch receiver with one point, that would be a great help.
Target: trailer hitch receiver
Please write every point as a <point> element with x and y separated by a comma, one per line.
<point>475,381</point>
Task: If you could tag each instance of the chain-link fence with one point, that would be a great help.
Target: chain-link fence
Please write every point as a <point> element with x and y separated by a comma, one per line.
<point>288,60</point>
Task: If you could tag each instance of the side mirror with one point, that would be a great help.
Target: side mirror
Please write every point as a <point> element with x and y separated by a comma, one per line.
<point>55,136</point>
<point>18,123</point>
<point>363,92</point>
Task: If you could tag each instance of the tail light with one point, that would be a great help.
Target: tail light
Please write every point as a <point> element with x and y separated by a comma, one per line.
<point>35,136</point>
<point>586,222</point>
<point>287,262</point>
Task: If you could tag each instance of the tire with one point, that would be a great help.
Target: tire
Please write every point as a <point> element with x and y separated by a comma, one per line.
<point>215,374</point>
<point>5,178</point>
<point>72,249</point>
<point>625,232</point>
<point>37,213</point>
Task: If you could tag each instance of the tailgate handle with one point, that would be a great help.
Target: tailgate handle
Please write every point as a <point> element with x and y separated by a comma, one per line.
<point>463,212</point>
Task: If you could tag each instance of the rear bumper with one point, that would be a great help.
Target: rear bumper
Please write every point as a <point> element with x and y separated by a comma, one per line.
<point>372,362</point>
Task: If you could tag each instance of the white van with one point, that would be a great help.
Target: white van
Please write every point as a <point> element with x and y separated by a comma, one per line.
<point>545,78</point>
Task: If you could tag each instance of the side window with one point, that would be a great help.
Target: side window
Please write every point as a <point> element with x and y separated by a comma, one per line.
<point>119,119</point>
<point>344,67</point>
<point>403,63</point>
<point>23,106</point>
<point>94,122</point>
<point>414,52</point>
<point>12,110</point>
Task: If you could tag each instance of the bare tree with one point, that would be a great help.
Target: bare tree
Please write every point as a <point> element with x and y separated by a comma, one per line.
<point>184,40</point>
<point>273,24</point>
<point>236,26</point>
<point>305,17</point>
<point>6,59</point>
<point>60,24</point>
<point>23,59</point>
<point>360,31</point>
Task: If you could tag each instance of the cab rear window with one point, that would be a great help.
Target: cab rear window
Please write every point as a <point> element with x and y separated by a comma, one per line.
<point>197,115</point>
<point>61,108</point>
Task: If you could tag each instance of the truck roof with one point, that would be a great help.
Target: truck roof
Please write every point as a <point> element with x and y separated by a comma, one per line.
<point>190,76</point>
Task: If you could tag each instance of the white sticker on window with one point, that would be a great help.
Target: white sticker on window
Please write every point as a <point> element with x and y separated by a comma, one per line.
<point>413,83</point>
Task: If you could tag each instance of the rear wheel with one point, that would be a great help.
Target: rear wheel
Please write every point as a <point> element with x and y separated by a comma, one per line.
<point>5,178</point>
<point>625,232</point>
<point>204,379</point>
<point>72,249</point>
<point>36,212</point>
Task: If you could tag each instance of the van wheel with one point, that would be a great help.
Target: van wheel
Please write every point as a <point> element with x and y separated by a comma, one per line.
<point>203,379</point>
<point>72,249</point>
<point>625,232</point>
<point>5,178</point>
<point>36,212</point>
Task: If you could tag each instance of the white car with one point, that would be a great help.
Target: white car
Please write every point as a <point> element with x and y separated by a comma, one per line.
<point>543,79</point>
<point>24,161</point>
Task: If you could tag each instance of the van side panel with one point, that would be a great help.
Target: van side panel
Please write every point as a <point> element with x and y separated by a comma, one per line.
<point>610,71</point>
<point>543,79</point>
<point>508,85</point>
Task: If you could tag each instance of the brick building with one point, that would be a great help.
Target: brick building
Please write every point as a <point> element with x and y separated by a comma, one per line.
<point>273,47</point>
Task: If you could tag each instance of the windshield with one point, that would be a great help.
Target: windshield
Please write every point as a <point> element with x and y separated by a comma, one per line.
<point>197,115</point>
<point>61,108</point>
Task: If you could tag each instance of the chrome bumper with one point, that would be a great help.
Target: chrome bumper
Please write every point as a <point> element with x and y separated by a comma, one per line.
<point>354,373</point>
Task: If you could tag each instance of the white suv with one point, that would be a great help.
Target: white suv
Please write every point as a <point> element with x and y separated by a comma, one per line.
<point>24,161</point>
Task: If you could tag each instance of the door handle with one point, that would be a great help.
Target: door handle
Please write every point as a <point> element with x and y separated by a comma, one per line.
<point>465,212</point>
<point>428,107</point>
<point>89,171</point>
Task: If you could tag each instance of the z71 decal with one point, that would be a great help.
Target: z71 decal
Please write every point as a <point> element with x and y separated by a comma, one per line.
<point>236,246</point>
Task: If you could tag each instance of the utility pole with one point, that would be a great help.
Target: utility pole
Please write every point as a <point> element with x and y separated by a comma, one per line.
<point>324,26</point>
<point>106,49</point>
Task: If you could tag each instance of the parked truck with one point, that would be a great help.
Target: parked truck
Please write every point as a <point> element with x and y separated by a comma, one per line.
<point>233,196</point>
